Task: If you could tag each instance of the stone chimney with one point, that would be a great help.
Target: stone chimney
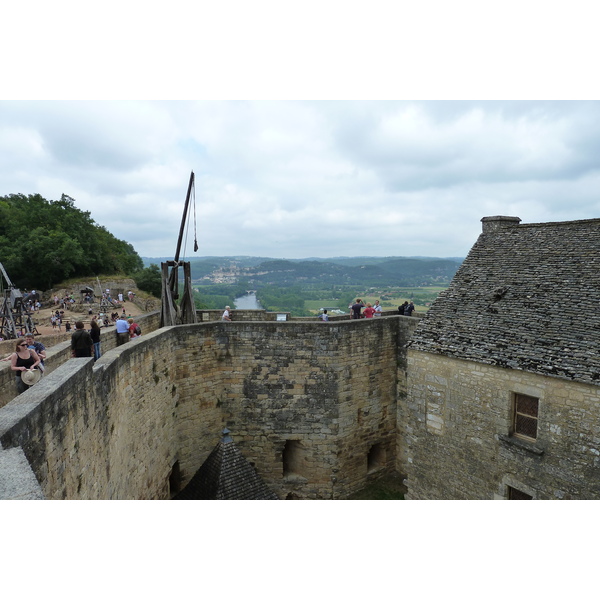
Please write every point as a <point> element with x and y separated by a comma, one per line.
<point>493,224</point>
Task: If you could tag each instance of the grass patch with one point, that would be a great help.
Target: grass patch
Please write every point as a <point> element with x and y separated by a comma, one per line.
<point>315,305</point>
<point>386,488</point>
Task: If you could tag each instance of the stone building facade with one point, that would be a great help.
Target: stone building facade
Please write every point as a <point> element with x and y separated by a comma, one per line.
<point>504,372</point>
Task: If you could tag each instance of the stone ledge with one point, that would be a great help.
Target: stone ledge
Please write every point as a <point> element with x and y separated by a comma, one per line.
<point>514,441</point>
<point>17,481</point>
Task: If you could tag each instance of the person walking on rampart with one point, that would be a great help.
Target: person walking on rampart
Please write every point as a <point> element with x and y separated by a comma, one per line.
<point>95,335</point>
<point>122,330</point>
<point>402,308</point>
<point>81,342</point>
<point>409,309</point>
<point>377,308</point>
<point>226,316</point>
<point>134,329</point>
<point>324,317</point>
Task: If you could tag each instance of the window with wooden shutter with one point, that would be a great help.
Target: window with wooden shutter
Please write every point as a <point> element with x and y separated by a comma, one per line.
<point>525,416</point>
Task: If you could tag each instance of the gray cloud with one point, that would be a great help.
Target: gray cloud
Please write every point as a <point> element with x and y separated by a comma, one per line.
<point>297,179</point>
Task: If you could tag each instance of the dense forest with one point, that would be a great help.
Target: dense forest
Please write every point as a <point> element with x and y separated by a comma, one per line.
<point>399,271</point>
<point>43,242</point>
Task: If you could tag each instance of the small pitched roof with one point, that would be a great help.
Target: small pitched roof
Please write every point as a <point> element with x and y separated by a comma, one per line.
<point>526,297</point>
<point>226,475</point>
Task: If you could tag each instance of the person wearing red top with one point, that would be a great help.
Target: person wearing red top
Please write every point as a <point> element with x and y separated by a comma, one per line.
<point>369,311</point>
<point>134,330</point>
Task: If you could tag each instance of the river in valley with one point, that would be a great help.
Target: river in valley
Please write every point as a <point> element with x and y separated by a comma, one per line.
<point>247,302</point>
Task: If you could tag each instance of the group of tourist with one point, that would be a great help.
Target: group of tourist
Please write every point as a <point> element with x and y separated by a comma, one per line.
<point>31,301</point>
<point>28,358</point>
<point>370,310</point>
<point>33,305</point>
<point>65,303</point>
<point>360,310</point>
<point>84,343</point>
<point>127,329</point>
<point>406,309</point>
<point>56,319</point>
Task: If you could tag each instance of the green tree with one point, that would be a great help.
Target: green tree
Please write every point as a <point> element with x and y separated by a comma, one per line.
<point>43,242</point>
<point>149,280</point>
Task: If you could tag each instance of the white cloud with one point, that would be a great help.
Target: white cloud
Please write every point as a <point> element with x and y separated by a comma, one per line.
<point>296,179</point>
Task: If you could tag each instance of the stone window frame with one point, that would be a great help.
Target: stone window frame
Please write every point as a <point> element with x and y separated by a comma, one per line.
<point>510,481</point>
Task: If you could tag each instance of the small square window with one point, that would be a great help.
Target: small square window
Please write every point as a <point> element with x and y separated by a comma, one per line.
<point>525,416</point>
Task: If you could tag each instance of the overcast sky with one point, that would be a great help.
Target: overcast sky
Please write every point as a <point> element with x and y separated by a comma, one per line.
<point>301,179</point>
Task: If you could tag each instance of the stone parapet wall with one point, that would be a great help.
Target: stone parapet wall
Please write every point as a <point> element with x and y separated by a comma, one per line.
<point>263,315</point>
<point>240,315</point>
<point>457,429</point>
<point>99,431</point>
<point>317,395</point>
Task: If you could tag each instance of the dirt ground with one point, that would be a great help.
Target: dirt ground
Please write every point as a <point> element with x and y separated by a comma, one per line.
<point>80,312</point>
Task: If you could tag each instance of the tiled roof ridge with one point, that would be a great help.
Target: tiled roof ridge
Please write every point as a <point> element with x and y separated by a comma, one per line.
<point>551,224</point>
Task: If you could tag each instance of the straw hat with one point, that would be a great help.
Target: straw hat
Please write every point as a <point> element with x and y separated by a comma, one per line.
<point>31,377</point>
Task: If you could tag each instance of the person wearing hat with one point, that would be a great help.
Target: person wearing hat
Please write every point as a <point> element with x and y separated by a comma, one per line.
<point>81,342</point>
<point>22,361</point>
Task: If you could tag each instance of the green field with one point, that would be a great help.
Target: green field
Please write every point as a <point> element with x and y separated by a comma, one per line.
<point>389,299</point>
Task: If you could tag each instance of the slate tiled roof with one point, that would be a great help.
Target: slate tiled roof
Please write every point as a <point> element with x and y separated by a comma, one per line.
<point>526,297</point>
<point>226,475</point>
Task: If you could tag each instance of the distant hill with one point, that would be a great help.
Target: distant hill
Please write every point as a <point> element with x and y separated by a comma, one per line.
<point>363,270</point>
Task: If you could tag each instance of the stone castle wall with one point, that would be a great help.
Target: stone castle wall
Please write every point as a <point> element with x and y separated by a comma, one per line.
<point>312,405</point>
<point>457,426</point>
<point>99,431</point>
